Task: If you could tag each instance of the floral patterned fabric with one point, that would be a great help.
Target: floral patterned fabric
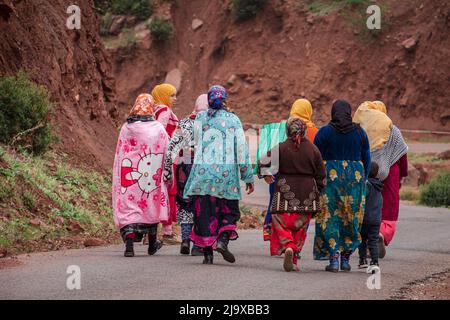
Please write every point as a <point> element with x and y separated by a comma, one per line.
<point>221,157</point>
<point>212,217</point>
<point>339,223</point>
<point>139,194</point>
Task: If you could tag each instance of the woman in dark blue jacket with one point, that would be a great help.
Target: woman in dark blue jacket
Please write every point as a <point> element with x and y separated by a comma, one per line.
<point>345,148</point>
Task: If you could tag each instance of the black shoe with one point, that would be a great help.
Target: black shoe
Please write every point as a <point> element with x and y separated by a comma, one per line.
<point>185,247</point>
<point>209,259</point>
<point>363,263</point>
<point>197,251</point>
<point>153,248</point>
<point>222,248</point>
<point>129,251</point>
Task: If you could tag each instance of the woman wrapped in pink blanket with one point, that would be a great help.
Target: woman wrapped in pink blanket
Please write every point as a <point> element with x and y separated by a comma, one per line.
<point>140,199</point>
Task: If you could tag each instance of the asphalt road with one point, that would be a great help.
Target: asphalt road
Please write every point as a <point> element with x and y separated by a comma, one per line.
<point>421,248</point>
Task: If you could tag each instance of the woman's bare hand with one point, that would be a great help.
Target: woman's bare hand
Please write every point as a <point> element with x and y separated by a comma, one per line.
<point>269,179</point>
<point>249,187</point>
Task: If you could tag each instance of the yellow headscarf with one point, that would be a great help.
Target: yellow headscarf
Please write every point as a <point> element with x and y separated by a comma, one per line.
<point>162,92</point>
<point>302,109</point>
<point>376,105</point>
<point>374,120</point>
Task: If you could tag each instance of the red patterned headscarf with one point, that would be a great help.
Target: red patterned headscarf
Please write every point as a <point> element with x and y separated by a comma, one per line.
<point>296,130</point>
<point>143,106</point>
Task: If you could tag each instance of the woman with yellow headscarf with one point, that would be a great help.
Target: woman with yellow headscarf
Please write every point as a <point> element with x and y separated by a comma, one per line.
<point>372,116</point>
<point>302,109</point>
<point>165,96</point>
<point>389,151</point>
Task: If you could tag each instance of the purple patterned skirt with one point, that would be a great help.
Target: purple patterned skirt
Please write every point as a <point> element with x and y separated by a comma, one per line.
<point>212,217</point>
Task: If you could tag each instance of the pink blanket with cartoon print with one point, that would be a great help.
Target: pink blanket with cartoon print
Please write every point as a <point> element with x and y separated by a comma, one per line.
<point>139,193</point>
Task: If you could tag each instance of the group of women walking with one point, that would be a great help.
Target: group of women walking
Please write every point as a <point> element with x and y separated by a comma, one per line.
<point>166,169</point>
<point>191,169</point>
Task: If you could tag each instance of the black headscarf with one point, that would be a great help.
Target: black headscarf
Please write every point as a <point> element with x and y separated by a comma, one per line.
<point>135,117</point>
<point>341,117</point>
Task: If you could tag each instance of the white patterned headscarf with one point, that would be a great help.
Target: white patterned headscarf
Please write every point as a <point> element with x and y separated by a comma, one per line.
<point>390,153</point>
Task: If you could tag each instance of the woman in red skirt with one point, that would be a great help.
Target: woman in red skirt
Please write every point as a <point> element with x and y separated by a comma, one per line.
<point>295,201</point>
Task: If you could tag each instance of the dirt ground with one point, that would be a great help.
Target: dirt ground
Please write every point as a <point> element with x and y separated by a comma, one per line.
<point>435,287</point>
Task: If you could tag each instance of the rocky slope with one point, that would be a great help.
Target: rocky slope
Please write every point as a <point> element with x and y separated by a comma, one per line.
<point>288,52</point>
<point>72,65</point>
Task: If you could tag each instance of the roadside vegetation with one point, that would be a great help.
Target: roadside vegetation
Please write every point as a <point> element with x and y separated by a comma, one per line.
<point>46,204</point>
<point>25,114</point>
<point>437,192</point>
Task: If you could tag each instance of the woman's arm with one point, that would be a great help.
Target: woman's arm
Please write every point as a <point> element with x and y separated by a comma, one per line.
<point>366,156</point>
<point>179,141</point>
<point>269,164</point>
<point>320,171</point>
<point>320,140</point>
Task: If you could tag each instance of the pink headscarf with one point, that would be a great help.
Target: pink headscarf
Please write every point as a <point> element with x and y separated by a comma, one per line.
<point>201,104</point>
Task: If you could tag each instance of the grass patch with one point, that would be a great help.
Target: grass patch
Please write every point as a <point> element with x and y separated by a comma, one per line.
<point>437,192</point>
<point>353,11</point>
<point>321,7</point>
<point>129,38</point>
<point>408,193</point>
<point>55,193</point>
<point>28,200</point>
<point>416,158</point>
<point>141,9</point>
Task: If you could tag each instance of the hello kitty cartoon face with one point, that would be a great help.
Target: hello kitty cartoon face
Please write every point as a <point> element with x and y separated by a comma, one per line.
<point>147,175</point>
<point>150,169</point>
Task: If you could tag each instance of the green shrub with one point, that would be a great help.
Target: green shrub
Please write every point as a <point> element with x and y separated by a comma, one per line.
<point>141,9</point>
<point>28,200</point>
<point>246,9</point>
<point>437,192</point>
<point>24,110</point>
<point>161,29</point>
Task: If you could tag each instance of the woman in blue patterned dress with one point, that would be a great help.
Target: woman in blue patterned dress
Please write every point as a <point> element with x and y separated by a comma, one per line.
<point>221,158</point>
<point>345,149</point>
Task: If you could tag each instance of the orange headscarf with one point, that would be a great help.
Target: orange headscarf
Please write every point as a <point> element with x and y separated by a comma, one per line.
<point>143,106</point>
<point>162,93</point>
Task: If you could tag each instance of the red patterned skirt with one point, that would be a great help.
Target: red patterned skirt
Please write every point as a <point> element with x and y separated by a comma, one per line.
<point>289,230</point>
